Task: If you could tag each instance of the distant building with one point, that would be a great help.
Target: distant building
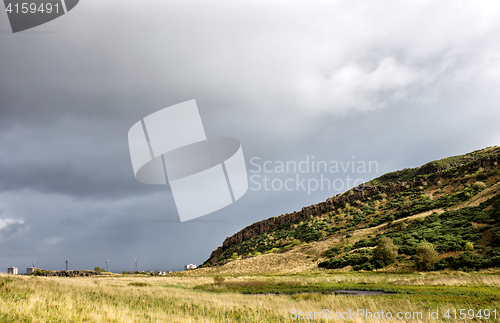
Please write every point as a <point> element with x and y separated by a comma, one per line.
<point>12,271</point>
<point>163,273</point>
<point>190,266</point>
<point>29,270</point>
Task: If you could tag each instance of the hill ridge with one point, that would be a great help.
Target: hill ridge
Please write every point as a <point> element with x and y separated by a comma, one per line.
<point>467,163</point>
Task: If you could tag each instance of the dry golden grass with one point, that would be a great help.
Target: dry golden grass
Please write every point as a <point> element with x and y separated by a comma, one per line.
<point>173,299</point>
<point>300,259</point>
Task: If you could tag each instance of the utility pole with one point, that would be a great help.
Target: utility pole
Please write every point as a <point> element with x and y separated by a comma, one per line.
<point>67,265</point>
<point>106,265</point>
<point>136,265</point>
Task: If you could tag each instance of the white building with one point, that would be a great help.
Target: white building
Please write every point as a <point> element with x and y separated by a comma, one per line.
<point>12,271</point>
<point>29,270</point>
<point>190,266</point>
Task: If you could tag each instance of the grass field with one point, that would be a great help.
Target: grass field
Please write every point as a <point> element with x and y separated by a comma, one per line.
<point>187,297</point>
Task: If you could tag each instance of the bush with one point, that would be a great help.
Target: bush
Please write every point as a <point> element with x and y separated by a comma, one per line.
<point>99,269</point>
<point>478,186</point>
<point>357,259</point>
<point>234,256</point>
<point>469,246</point>
<point>332,252</point>
<point>466,261</point>
<point>386,251</point>
<point>425,256</point>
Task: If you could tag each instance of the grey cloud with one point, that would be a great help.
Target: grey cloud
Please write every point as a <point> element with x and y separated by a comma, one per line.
<point>387,82</point>
<point>9,227</point>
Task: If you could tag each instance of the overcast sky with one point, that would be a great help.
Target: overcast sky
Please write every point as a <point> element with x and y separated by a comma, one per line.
<point>398,83</point>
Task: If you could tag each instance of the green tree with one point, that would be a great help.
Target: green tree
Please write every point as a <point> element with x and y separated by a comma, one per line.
<point>425,257</point>
<point>98,269</point>
<point>385,252</point>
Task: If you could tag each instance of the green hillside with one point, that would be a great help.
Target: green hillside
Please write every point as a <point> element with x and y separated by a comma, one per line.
<point>444,214</point>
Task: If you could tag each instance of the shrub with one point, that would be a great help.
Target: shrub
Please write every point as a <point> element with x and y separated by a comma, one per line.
<point>466,261</point>
<point>234,256</point>
<point>386,251</point>
<point>364,266</point>
<point>469,246</point>
<point>425,256</point>
<point>478,186</point>
<point>332,252</point>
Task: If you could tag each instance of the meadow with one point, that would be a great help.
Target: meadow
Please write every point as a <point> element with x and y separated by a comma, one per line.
<point>206,296</point>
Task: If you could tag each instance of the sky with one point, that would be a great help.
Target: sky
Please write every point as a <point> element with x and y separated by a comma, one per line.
<point>391,84</point>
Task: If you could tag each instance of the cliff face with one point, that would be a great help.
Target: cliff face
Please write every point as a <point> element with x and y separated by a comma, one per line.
<point>358,193</point>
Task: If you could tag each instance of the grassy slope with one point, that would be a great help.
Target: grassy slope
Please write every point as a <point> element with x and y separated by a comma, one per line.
<point>434,166</point>
<point>358,226</point>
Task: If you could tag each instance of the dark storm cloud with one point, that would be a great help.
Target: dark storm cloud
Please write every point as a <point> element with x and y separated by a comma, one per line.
<point>386,82</point>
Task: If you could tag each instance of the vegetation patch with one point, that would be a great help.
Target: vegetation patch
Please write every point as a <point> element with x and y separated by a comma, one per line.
<point>138,284</point>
